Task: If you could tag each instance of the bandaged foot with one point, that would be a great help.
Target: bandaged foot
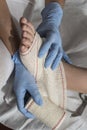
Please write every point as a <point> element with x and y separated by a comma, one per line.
<point>51,84</point>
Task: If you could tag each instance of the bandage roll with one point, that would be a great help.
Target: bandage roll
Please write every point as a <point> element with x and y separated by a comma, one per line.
<point>48,113</point>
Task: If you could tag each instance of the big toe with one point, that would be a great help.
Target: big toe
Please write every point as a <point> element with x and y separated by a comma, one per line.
<point>23,20</point>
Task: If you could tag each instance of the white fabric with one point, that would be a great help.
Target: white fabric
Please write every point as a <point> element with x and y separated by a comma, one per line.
<point>74,35</point>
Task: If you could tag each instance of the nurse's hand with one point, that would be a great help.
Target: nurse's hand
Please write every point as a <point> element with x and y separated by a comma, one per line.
<point>24,82</point>
<point>49,29</point>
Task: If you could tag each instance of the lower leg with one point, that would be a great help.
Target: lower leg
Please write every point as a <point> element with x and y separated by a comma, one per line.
<point>76,78</point>
<point>8,32</point>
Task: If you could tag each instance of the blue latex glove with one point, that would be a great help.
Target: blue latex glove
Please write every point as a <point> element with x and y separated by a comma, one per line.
<point>24,82</point>
<point>49,29</point>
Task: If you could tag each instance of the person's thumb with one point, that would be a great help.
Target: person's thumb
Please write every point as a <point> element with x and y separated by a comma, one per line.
<point>41,30</point>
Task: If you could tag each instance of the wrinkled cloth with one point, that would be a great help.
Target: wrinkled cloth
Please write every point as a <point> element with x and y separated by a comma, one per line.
<point>74,36</point>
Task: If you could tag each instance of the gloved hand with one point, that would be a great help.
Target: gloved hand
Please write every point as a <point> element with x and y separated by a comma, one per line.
<point>24,82</point>
<point>49,29</point>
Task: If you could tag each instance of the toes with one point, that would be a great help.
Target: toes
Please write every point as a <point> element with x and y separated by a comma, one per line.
<point>26,42</point>
<point>28,33</point>
<point>23,21</point>
<point>25,45</point>
<point>28,36</point>
<point>27,26</point>
<point>23,48</point>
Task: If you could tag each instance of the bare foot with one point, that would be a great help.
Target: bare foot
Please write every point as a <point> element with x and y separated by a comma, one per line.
<point>28,33</point>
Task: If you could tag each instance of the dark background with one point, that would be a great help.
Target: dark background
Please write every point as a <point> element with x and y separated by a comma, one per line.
<point>2,127</point>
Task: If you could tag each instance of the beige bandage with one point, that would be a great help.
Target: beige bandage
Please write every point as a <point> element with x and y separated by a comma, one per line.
<point>51,84</point>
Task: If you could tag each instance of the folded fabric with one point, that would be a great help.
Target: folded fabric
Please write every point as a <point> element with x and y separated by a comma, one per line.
<point>51,84</point>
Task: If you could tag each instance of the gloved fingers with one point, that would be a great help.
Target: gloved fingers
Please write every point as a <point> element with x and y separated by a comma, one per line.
<point>21,106</point>
<point>66,58</point>
<point>45,46</point>
<point>27,113</point>
<point>57,59</point>
<point>41,30</point>
<point>51,55</point>
<point>34,92</point>
<point>20,99</point>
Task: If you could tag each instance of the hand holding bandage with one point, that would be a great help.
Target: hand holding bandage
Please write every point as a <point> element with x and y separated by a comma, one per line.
<point>49,29</point>
<point>24,82</point>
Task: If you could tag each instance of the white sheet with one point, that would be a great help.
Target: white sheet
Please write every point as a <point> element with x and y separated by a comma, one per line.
<point>74,36</point>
